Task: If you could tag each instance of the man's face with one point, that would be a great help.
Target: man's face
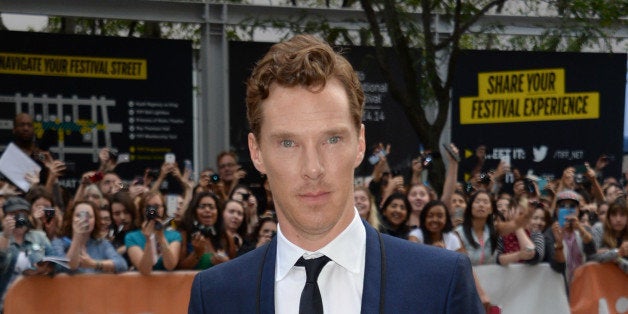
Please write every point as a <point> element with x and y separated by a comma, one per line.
<point>309,147</point>
<point>110,184</point>
<point>227,167</point>
<point>23,128</point>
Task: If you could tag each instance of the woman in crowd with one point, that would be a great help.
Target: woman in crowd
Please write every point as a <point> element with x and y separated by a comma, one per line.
<point>21,248</point>
<point>614,242</point>
<point>264,232</point>
<point>365,203</point>
<point>204,243</point>
<point>457,205</point>
<point>125,219</point>
<point>80,243</point>
<point>45,216</point>
<point>418,195</point>
<point>233,219</point>
<point>520,245</point>
<point>597,230</point>
<point>153,247</point>
<point>395,213</point>
<point>435,228</point>
<point>244,194</point>
<point>477,232</point>
<point>104,220</point>
<point>577,241</point>
<point>541,219</point>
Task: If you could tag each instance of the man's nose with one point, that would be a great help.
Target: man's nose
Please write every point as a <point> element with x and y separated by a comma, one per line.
<point>313,167</point>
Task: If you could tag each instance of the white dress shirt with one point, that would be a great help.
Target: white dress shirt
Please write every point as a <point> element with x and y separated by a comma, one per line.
<point>341,280</point>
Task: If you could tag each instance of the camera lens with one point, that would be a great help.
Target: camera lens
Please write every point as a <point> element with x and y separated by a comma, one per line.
<point>215,178</point>
<point>151,212</point>
<point>21,220</point>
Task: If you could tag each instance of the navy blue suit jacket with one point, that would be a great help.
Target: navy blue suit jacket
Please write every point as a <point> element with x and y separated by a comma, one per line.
<point>417,279</point>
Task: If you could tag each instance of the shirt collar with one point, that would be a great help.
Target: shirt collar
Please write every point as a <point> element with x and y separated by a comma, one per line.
<point>347,249</point>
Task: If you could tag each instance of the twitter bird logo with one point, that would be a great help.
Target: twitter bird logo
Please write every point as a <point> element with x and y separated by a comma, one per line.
<point>539,153</point>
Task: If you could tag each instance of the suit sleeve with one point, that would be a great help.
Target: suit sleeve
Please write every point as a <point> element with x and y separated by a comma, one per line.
<point>463,296</point>
<point>195,305</point>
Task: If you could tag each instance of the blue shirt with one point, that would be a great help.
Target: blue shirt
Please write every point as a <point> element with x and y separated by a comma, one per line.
<point>98,249</point>
<point>136,238</point>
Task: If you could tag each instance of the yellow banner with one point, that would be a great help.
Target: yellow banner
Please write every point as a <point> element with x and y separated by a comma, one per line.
<point>524,96</point>
<point>73,66</point>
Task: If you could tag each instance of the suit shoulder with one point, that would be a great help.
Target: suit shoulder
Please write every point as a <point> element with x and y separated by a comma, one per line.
<point>399,249</point>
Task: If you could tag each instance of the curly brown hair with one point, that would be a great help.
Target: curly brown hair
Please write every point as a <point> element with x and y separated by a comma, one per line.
<point>305,61</point>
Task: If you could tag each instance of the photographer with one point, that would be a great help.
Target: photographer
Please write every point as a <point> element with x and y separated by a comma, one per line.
<point>243,194</point>
<point>21,248</point>
<point>204,241</point>
<point>81,245</point>
<point>209,181</point>
<point>153,247</point>
<point>577,242</point>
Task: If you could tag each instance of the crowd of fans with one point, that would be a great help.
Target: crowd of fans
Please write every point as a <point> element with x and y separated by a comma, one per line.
<point>109,226</point>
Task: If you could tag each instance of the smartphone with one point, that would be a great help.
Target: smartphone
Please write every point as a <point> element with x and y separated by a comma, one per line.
<point>562,215</point>
<point>451,153</point>
<point>459,213</point>
<point>373,159</point>
<point>122,158</point>
<point>506,160</point>
<point>169,158</point>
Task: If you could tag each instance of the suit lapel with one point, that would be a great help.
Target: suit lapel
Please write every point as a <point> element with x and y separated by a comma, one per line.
<point>267,289</point>
<point>371,291</point>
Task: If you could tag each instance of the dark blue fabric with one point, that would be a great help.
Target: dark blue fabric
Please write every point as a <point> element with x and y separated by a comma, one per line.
<point>418,279</point>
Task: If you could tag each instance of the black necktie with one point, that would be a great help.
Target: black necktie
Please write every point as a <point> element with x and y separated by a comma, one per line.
<point>311,302</point>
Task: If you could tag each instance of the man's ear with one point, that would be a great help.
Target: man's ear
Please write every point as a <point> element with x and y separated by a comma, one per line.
<point>361,147</point>
<point>256,155</point>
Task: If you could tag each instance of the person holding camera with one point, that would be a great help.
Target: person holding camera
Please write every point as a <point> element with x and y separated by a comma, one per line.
<point>577,242</point>
<point>80,243</point>
<point>153,247</point>
<point>22,249</point>
<point>243,194</point>
<point>229,170</point>
<point>45,215</point>
<point>209,181</point>
<point>204,243</point>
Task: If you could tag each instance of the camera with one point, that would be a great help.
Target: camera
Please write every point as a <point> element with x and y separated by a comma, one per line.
<point>485,178</point>
<point>426,160</point>
<point>21,220</point>
<point>49,213</point>
<point>113,154</point>
<point>468,188</point>
<point>206,231</point>
<point>245,196</point>
<point>152,212</point>
<point>214,178</point>
<point>529,185</point>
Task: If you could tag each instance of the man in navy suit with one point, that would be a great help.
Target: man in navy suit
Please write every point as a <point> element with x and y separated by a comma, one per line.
<point>304,106</point>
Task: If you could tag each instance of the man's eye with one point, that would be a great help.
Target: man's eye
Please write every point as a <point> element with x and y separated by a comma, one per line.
<point>334,139</point>
<point>287,143</point>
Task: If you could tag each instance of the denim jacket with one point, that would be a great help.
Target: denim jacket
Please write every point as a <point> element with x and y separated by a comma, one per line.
<point>36,245</point>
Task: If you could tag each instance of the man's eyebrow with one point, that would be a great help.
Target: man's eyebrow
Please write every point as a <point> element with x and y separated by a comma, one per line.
<point>280,135</point>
